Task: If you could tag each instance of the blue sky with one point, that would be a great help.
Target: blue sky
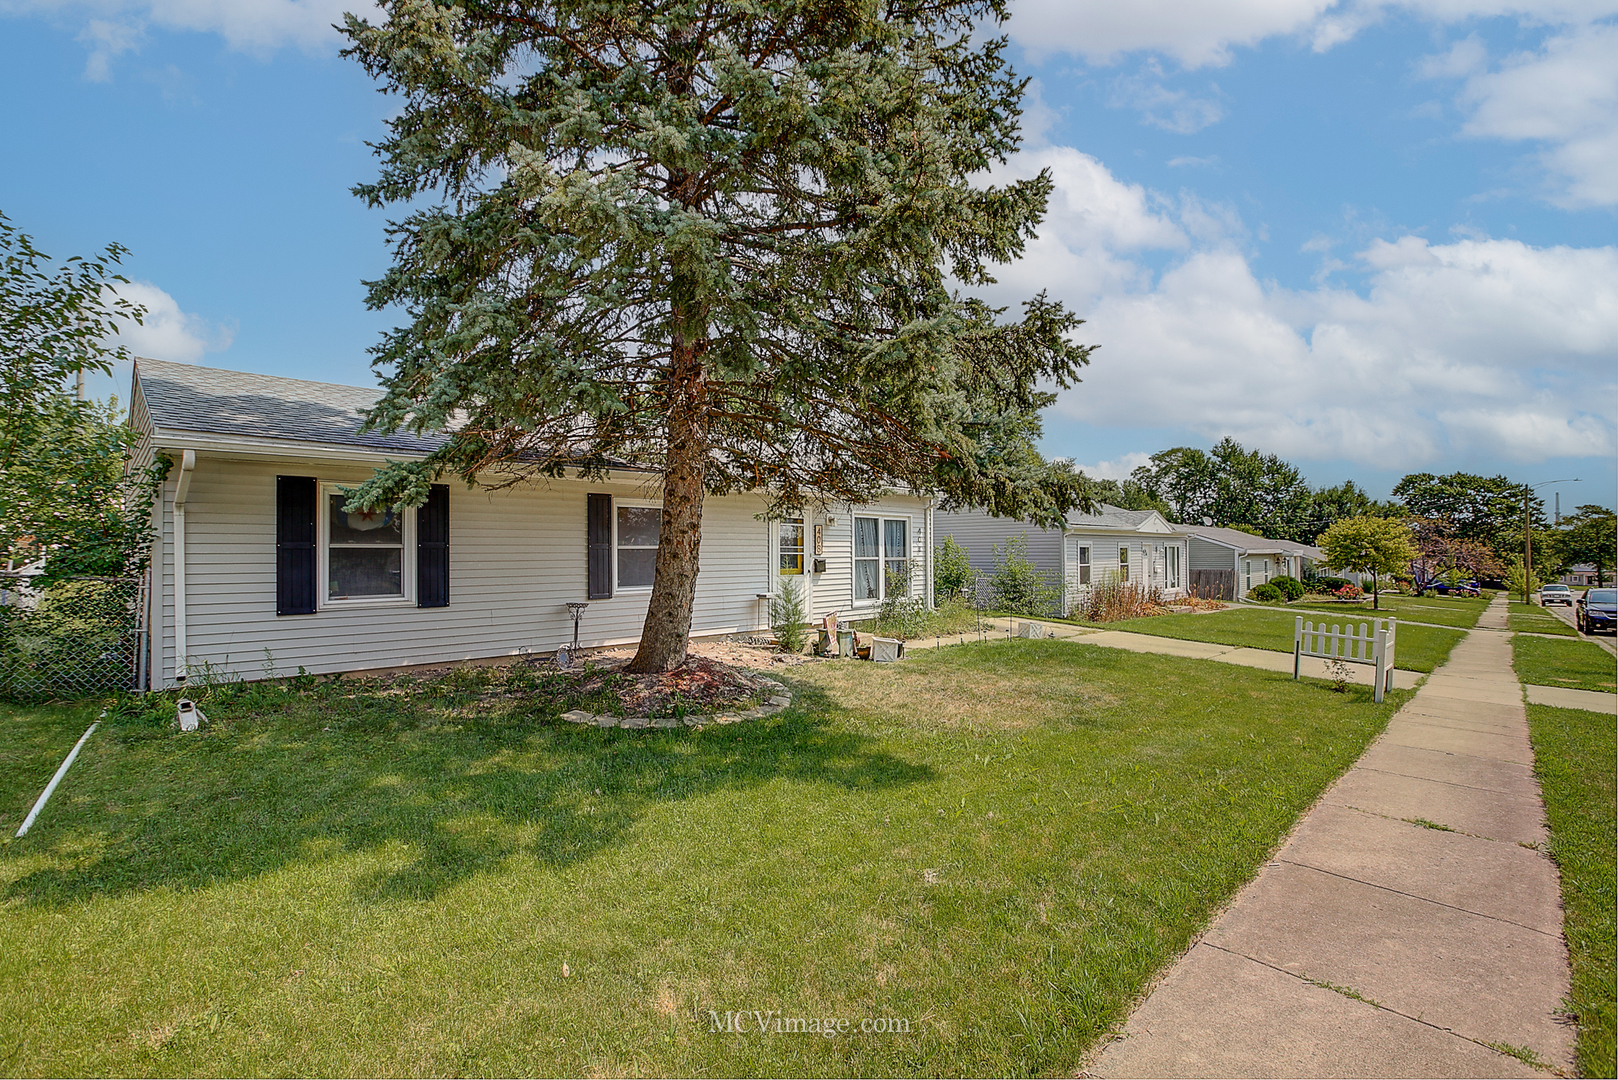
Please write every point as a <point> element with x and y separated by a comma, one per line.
<point>1372,237</point>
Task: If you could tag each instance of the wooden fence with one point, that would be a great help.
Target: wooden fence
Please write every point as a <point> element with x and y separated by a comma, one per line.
<point>1213,584</point>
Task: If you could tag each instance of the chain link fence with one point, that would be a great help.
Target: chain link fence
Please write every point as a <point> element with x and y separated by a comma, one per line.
<point>76,638</point>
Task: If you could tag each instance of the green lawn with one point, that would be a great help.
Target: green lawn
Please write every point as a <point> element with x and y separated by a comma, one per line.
<point>1533,619</point>
<point>999,844</point>
<point>1578,665</point>
<point>1445,611</point>
<point>1575,761</point>
<point>1419,648</point>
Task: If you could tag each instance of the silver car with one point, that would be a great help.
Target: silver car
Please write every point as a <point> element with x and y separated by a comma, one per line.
<point>1555,594</point>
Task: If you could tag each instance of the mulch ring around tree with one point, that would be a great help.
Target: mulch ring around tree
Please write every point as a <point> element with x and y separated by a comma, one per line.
<point>702,690</point>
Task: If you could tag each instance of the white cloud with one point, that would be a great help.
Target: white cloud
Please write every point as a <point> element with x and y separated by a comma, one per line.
<point>1194,32</point>
<point>1564,96</point>
<point>166,332</point>
<point>1118,468</point>
<point>1172,110</point>
<point>1198,33</point>
<point>107,40</point>
<point>1477,348</point>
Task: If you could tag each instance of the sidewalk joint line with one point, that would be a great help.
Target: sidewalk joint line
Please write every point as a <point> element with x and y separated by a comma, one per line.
<point>1451,783</point>
<point>1379,1005</point>
<point>1423,899</point>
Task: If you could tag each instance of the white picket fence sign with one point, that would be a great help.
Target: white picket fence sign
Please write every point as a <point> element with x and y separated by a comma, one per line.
<point>1367,643</point>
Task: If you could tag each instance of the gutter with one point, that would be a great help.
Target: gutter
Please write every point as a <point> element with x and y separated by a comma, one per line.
<point>182,489</point>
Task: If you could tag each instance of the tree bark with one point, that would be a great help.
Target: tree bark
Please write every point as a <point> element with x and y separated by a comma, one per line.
<point>667,629</point>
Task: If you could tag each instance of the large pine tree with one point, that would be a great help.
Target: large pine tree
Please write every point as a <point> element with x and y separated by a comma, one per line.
<point>715,238</point>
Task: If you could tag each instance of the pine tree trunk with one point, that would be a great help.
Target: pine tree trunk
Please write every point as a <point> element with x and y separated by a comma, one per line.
<point>674,587</point>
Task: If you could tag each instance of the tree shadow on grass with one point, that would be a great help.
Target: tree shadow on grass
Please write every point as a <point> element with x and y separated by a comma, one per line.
<point>456,792</point>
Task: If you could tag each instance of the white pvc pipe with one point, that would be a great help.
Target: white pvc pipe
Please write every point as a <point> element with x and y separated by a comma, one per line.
<point>45,795</point>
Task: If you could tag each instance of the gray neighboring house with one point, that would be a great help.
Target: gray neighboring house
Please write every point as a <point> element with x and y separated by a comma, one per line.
<point>1227,563</point>
<point>1131,545</point>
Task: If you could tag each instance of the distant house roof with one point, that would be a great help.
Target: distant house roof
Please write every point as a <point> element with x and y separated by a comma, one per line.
<point>1245,541</point>
<point>1117,518</point>
<point>183,400</point>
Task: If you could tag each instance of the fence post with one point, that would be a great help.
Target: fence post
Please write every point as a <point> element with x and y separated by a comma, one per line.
<point>1392,648</point>
<point>1381,655</point>
<point>1297,647</point>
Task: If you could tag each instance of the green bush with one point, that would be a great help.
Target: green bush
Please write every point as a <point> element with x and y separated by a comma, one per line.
<point>1290,587</point>
<point>1326,586</point>
<point>952,571</point>
<point>1019,587</point>
<point>788,615</point>
<point>1266,593</point>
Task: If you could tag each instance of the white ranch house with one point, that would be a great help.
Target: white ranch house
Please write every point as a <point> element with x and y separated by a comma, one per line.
<point>1240,561</point>
<point>1129,545</point>
<point>256,565</point>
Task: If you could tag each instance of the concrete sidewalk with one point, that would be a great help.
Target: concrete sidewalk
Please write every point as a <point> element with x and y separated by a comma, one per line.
<point>1404,929</point>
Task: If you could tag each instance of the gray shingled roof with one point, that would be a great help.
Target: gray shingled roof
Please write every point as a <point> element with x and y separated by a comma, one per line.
<point>1248,542</point>
<point>1109,517</point>
<point>185,398</point>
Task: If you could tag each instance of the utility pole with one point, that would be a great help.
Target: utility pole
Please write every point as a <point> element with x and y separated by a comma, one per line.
<point>1527,546</point>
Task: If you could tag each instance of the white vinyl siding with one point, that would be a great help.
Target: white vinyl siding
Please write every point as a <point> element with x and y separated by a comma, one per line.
<point>517,557</point>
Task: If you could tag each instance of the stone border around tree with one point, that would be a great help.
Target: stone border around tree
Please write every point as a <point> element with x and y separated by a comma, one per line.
<point>777,702</point>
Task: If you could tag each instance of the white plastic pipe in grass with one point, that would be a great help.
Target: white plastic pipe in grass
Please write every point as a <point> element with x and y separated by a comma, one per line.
<point>45,795</point>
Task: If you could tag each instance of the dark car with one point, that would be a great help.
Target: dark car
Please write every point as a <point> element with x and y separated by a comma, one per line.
<point>1464,588</point>
<point>1597,610</point>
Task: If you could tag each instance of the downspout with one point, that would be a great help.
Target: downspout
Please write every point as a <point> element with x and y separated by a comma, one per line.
<point>182,488</point>
<point>927,553</point>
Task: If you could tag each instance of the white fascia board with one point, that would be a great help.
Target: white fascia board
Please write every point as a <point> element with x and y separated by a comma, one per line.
<point>240,447</point>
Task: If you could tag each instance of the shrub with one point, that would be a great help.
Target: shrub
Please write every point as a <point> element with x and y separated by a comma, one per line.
<point>1266,593</point>
<point>1111,600</point>
<point>1327,586</point>
<point>952,571</point>
<point>1019,587</point>
<point>1348,591</point>
<point>1290,587</point>
<point>788,615</point>
<point>903,617</point>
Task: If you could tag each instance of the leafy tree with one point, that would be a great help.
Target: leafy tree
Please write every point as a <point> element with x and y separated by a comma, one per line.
<point>1483,509</point>
<point>713,241</point>
<point>952,570</point>
<point>1020,587</point>
<point>63,492</point>
<point>1588,535</point>
<point>1368,545</point>
<point>1231,486</point>
<point>1129,495</point>
<point>1440,551</point>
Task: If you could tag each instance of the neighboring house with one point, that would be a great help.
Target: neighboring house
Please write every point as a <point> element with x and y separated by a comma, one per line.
<point>256,566</point>
<point>1228,563</point>
<point>1113,543</point>
<point>1581,575</point>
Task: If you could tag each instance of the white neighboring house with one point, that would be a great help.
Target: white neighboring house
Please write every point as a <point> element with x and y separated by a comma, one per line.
<point>1227,563</point>
<point>1129,545</point>
<point>256,565</point>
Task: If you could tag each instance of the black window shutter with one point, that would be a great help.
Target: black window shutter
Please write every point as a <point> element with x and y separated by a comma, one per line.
<point>598,521</point>
<point>295,560</point>
<point>432,549</point>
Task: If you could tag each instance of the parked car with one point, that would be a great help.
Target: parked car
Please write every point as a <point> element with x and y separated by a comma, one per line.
<point>1555,594</point>
<point>1597,610</point>
<point>1465,588</point>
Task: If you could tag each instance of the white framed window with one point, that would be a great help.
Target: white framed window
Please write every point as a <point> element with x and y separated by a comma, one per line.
<point>1084,564</point>
<point>1123,564</point>
<point>367,557</point>
<point>636,527</point>
<point>881,558</point>
<point>789,544</point>
<point>1173,567</point>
